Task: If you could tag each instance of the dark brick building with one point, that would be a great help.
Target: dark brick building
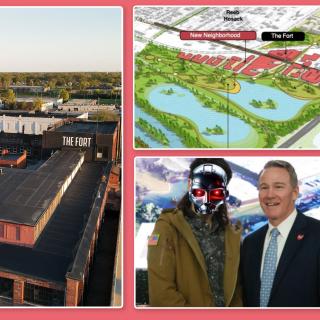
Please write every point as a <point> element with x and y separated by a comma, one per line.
<point>50,217</point>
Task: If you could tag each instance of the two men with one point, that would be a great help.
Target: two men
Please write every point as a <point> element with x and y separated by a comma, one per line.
<point>194,252</point>
<point>280,262</point>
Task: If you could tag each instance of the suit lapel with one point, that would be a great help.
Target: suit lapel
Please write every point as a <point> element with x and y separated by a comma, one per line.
<point>256,258</point>
<point>292,246</point>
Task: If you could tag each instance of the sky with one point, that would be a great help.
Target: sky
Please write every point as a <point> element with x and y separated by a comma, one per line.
<point>60,39</point>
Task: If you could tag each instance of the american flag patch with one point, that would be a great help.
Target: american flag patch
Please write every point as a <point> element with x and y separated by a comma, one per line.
<point>153,239</point>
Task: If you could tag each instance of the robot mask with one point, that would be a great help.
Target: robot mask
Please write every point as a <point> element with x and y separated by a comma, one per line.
<point>208,188</point>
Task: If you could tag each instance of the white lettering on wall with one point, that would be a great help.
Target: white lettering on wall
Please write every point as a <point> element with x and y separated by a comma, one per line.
<point>76,142</point>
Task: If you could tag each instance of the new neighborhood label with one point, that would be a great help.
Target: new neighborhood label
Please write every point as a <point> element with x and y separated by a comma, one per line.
<point>218,35</point>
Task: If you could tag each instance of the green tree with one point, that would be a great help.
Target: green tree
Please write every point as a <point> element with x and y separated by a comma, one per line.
<point>105,116</point>
<point>64,94</point>
<point>84,84</point>
<point>52,84</point>
<point>37,104</point>
<point>30,81</point>
<point>7,81</point>
<point>24,105</point>
<point>10,97</point>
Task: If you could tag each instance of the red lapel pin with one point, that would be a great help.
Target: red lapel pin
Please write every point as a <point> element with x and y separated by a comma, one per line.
<point>300,236</point>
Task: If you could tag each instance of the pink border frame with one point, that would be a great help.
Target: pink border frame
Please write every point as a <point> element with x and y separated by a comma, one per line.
<point>128,311</point>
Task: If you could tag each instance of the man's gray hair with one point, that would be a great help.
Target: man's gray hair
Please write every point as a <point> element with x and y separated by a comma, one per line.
<point>284,165</point>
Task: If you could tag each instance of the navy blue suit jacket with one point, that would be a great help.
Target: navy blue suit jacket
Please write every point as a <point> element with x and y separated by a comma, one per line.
<point>297,278</point>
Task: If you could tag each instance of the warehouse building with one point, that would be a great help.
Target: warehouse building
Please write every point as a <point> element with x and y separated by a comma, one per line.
<point>50,217</point>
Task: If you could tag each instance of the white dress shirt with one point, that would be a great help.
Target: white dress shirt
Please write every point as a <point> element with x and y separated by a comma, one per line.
<point>284,228</point>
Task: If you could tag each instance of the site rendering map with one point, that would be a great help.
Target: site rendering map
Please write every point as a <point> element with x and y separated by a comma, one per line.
<point>227,77</point>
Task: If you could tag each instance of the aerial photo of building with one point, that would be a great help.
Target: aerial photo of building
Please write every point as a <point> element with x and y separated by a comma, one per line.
<point>52,212</point>
<point>60,157</point>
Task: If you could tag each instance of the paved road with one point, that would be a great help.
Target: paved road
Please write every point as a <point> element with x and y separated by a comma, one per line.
<point>303,131</point>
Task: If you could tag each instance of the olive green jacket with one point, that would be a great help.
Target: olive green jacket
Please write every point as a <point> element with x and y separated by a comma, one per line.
<point>177,272</point>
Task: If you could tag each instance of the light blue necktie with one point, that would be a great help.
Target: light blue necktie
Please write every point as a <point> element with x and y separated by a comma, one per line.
<point>269,268</point>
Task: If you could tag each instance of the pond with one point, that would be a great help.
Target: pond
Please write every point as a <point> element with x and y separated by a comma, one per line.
<point>180,101</point>
<point>286,106</point>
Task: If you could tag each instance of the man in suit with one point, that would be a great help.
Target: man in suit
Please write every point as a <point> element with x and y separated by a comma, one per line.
<point>280,262</point>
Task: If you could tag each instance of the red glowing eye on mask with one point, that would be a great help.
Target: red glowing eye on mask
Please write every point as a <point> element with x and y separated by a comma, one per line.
<point>216,194</point>
<point>198,192</point>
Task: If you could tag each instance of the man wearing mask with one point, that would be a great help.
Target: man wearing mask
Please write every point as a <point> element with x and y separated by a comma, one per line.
<point>193,252</point>
<point>280,262</point>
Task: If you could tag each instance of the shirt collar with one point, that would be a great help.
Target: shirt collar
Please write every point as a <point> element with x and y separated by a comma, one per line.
<point>285,226</point>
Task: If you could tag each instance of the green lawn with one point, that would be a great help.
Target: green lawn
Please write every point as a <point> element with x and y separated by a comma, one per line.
<point>157,65</point>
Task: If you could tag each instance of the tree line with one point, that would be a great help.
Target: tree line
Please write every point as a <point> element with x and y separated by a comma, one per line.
<point>78,80</point>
